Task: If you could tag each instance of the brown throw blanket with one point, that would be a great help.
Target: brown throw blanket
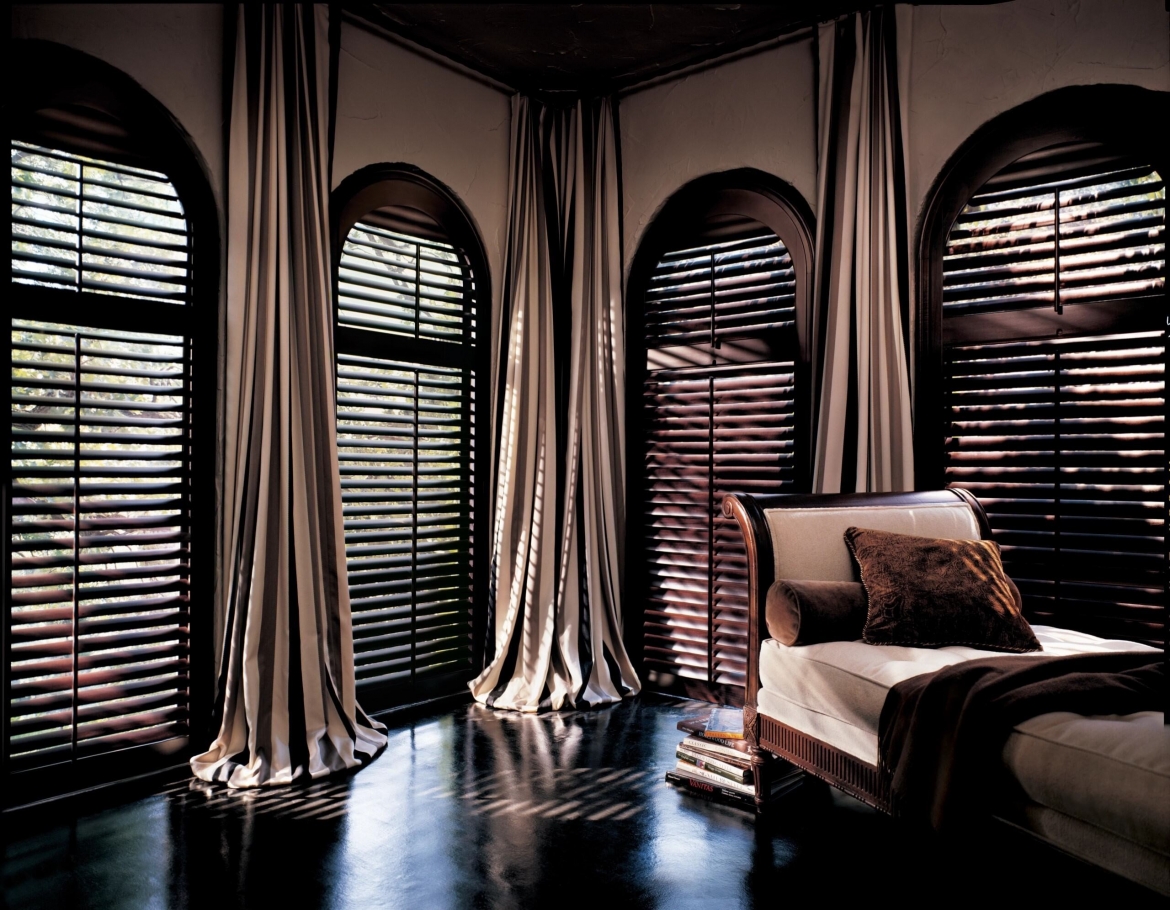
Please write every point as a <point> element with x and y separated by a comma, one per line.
<point>941,734</point>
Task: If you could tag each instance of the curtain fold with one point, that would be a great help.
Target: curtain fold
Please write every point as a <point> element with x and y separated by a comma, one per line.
<point>559,517</point>
<point>864,438</point>
<point>286,706</point>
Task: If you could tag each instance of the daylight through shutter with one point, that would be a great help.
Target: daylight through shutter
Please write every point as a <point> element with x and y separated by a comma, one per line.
<point>87,225</point>
<point>405,430</point>
<point>99,528</point>
<point>1063,439</point>
<point>719,417</point>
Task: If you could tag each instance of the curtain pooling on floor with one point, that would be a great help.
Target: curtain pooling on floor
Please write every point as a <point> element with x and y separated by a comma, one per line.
<point>286,696</point>
<point>557,540</point>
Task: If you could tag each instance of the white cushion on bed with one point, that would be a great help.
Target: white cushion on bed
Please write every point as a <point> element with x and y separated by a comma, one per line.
<point>809,544</point>
<point>1097,845</point>
<point>1112,772</point>
<point>836,690</point>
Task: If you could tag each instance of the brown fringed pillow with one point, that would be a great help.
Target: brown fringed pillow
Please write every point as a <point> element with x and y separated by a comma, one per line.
<point>809,612</point>
<point>930,593</point>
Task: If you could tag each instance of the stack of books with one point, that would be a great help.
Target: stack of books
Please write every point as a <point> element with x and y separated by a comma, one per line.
<point>714,762</point>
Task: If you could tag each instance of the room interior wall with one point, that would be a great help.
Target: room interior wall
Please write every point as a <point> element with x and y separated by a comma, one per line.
<point>758,112</point>
<point>962,65</point>
<point>968,64</point>
<point>394,106</point>
<point>174,51</point>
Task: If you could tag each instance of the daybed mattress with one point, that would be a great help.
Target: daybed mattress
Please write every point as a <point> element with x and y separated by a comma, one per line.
<point>835,691</point>
<point>1097,787</point>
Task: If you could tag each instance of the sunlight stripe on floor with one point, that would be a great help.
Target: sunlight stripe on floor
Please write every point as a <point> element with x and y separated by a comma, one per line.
<point>564,807</point>
<point>607,812</point>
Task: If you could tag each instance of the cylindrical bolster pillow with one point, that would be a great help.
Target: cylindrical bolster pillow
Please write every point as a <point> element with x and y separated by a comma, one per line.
<point>808,612</point>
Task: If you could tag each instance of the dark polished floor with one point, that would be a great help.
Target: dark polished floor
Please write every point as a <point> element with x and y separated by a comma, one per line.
<point>474,808</point>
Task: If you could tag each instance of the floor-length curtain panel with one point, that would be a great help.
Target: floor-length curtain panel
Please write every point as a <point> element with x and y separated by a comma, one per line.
<point>593,503</point>
<point>524,541</point>
<point>864,433</point>
<point>559,519</point>
<point>287,703</point>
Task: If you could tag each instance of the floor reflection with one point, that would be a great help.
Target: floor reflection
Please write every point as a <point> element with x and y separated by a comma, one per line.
<point>323,801</point>
<point>478,808</point>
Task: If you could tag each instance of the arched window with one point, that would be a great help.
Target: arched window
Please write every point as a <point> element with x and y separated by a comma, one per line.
<point>112,301</point>
<point>716,374</point>
<point>1053,362</point>
<point>412,291</point>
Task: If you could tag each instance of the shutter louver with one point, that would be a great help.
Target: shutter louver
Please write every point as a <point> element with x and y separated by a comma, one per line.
<point>99,533</point>
<point>1069,239</point>
<point>1063,439</point>
<point>1064,444</point>
<point>100,616</point>
<point>732,289</point>
<point>80,224</point>
<point>406,433</point>
<point>390,282</point>
<point>402,447</point>
<point>719,417</point>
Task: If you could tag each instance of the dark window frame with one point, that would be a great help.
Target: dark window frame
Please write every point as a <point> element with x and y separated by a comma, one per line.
<point>155,140</point>
<point>1116,115</point>
<point>398,184</point>
<point>686,214</point>
<point>1120,117</point>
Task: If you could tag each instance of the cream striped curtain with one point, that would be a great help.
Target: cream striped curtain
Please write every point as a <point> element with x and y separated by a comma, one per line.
<point>559,516</point>
<point>864,433</point>
<point>287,678</point>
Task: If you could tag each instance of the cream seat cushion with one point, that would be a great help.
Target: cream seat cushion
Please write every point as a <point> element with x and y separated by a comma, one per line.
<point>1098,787</point>
<point>835,690</point>
<point>1112,772</point>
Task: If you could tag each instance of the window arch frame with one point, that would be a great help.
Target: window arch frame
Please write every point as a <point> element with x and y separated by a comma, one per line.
<point>403,184</point>
<point>781,208</point>
<point>1098,113</point>
<point>66,76</point>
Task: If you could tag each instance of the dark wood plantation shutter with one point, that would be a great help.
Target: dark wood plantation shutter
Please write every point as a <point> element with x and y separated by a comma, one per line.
<point>99,503</point>
<point>1071,224</point>
<point>719,417</point>
<point>80,224</point>
<point>1055,362</point>
<point>405,427</point>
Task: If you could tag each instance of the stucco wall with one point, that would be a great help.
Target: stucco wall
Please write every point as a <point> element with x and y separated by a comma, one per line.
<point>173,51</point>
<point>961,66</point>
<point>757,112</point>
<point>968,64</point>
<point>394,106</point>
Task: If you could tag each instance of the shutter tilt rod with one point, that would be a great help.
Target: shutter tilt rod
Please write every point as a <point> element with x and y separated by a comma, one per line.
<point>714,340</point>
<point>1058,306</point>
<point>76,536</point>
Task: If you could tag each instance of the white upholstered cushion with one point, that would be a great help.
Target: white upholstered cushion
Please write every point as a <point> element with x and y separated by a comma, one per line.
<point>1097,845</point>
<point>1098,787</point>
<point>1112,772</point>
<point>809,543</point>
<point>840,686</point>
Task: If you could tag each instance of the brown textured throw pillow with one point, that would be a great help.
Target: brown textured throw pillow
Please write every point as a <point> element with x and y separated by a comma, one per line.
<point>931,593</point>
<point>808,612</point>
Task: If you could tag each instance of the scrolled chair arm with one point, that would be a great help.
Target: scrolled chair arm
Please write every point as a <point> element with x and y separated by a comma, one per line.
<point>757,540</point>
